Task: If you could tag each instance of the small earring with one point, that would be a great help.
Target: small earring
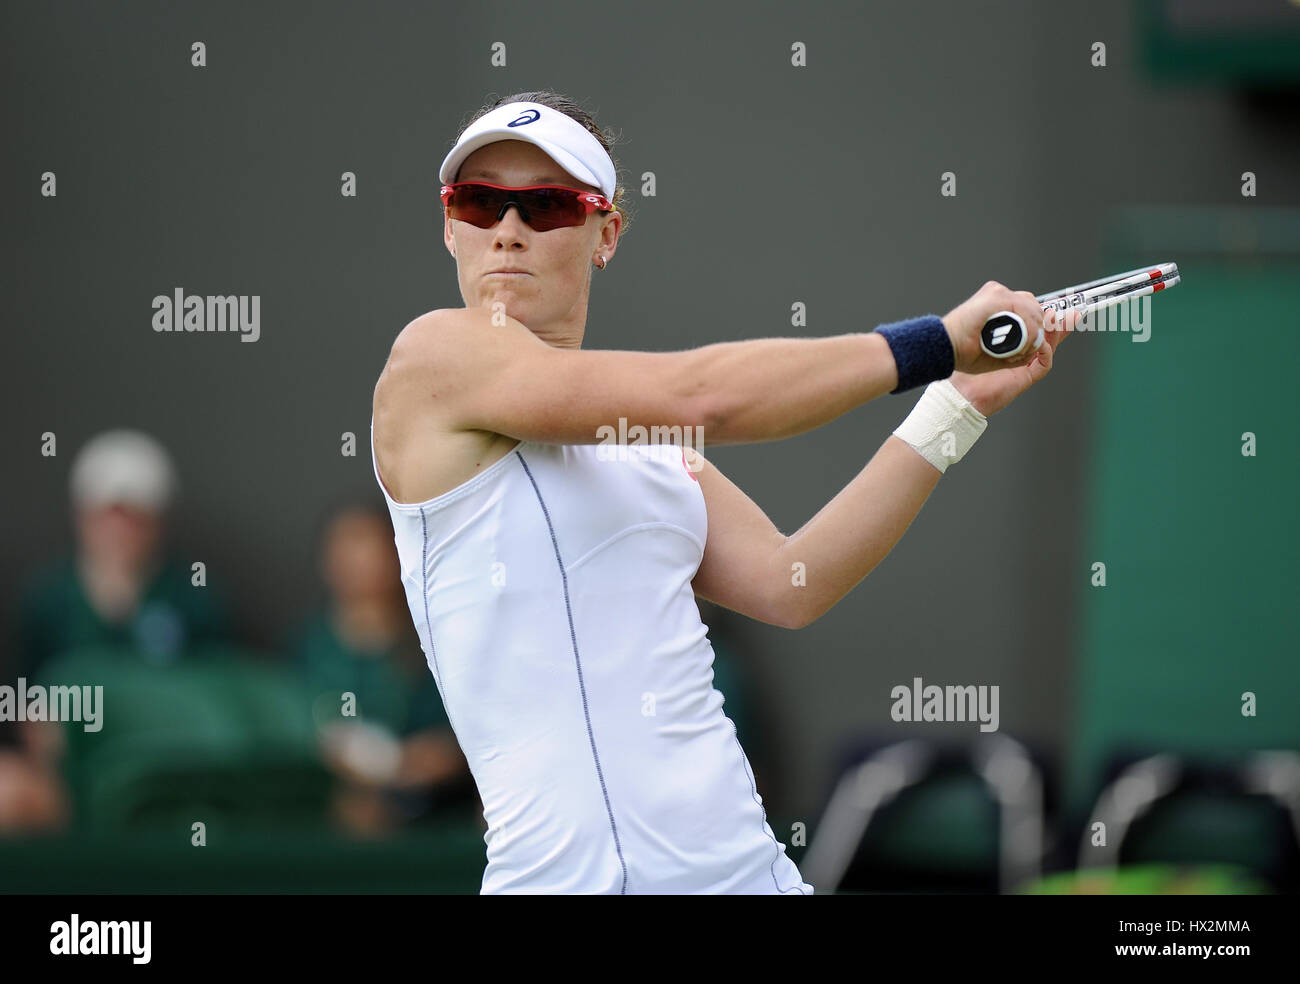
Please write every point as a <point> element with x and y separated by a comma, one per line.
<point>602,263</point>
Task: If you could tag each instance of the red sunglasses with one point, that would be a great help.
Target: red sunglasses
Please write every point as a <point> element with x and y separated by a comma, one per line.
<point>543,207</point>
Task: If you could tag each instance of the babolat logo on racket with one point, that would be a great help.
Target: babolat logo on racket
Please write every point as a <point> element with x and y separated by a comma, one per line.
<point>1003,334</point>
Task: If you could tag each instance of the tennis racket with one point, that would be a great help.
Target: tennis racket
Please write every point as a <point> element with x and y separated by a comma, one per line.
<point>1004,335</point>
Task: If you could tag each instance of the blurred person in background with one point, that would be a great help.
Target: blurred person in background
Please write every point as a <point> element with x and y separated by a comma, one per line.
<point>32,795</point>
<point>389,743</point>
<point>119,587</point>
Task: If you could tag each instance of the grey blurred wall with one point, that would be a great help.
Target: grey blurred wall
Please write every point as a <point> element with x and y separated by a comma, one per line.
<point>775,184</point>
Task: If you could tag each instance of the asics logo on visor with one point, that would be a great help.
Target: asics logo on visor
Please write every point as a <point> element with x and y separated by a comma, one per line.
<point>527,116</point>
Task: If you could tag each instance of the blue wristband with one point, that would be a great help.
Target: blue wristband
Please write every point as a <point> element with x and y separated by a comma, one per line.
<point>922,350</point>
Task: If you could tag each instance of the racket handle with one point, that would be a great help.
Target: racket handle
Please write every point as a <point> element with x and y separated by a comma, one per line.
<point>1004,335</point>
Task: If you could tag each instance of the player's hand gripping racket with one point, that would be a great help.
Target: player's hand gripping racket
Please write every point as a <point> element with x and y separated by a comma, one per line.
<point>1004,335</point>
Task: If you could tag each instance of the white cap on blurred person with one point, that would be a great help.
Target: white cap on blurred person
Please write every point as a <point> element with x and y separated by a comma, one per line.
<point>123,466</point>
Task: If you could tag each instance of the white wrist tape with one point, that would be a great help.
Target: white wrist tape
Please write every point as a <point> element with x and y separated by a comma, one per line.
<point>943,425</point>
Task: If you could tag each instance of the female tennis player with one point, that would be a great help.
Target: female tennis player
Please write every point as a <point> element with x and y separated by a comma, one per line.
<point>552,577</point>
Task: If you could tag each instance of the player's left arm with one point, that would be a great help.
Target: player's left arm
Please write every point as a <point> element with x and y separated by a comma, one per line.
<point>753,568</point>
<point>738,568</point>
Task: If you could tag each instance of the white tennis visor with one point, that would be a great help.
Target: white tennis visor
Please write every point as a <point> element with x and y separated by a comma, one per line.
<point>564,139</point>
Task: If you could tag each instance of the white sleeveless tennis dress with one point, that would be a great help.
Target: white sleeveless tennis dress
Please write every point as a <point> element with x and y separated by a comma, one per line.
<point>552,597</point>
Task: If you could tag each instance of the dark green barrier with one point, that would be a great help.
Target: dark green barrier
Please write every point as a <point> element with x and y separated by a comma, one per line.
<point>1199,541</point>
<point>449,859</point>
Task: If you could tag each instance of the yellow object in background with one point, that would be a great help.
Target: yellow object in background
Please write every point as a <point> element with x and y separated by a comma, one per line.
<point>1152,879</point>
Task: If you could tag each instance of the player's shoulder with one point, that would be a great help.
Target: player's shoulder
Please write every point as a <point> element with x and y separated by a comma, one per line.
<point>440,324</point>
<point>447,351</point>
<point>435,339</point>
<point>457,335</point>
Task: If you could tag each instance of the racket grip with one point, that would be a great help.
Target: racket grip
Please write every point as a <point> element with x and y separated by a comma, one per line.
<point>1004,335</point>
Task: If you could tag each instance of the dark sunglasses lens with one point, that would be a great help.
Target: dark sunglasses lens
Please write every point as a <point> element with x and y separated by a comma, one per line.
<point>543,209</point>
<point>550,208</point>
<point>476,205</point>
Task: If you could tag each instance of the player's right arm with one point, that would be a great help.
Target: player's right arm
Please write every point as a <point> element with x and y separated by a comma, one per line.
<point>473,371</point>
